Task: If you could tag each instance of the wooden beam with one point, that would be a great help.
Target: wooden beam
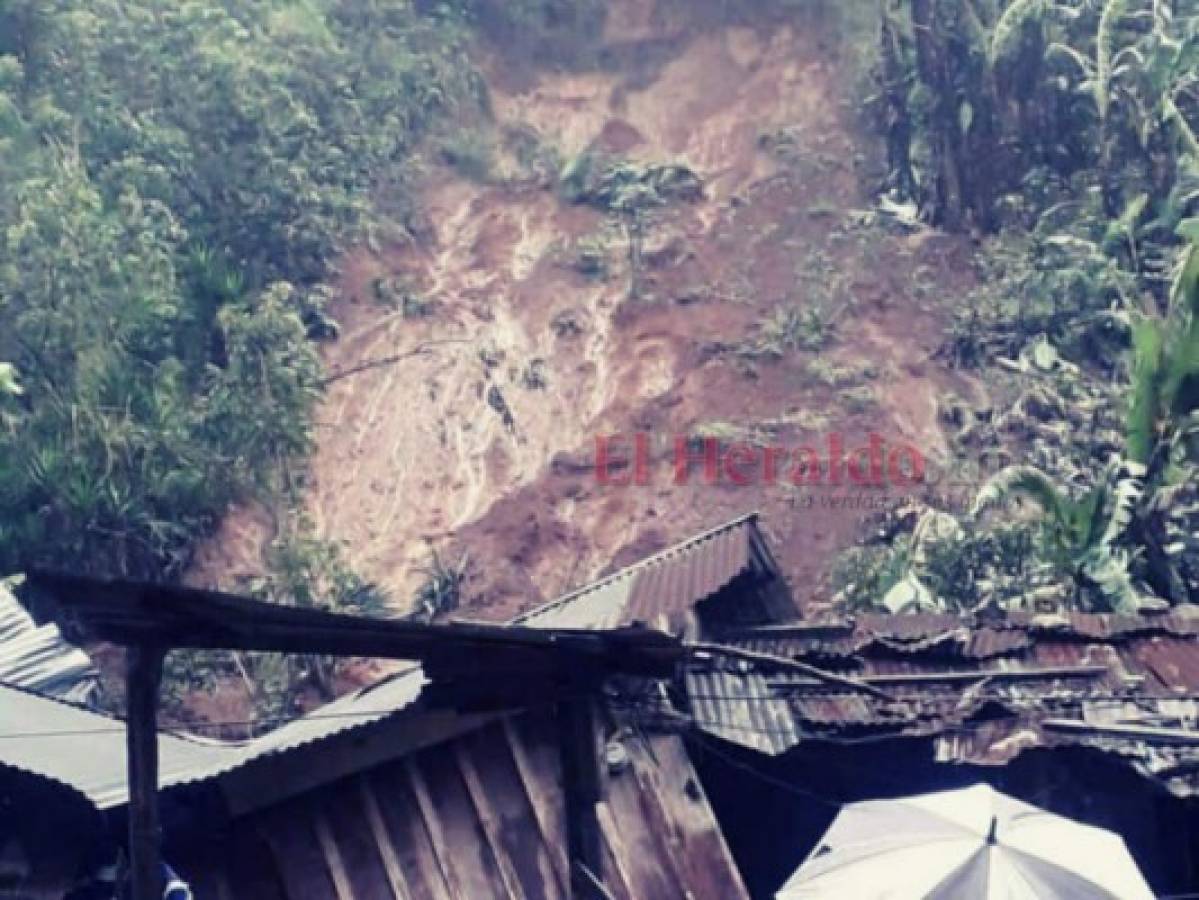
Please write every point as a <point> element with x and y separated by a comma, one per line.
<point>299,865</point>
<point>617,849</point>
<point>545,807</point>
<point>133,613</point>
<point>443,853</point>
<point>1178,736</point>
<point>143,676</point>
<point>708,866</point>
<point>333,861</point>
<point>791,665</point>
<point>660,822</point>
<point>582,787</point>
<point>962,678</point>
<point>387,850</point>
<point>786,630</point>
<point>1041,674</point>
<point>404,818</point>
<point>477,791</point>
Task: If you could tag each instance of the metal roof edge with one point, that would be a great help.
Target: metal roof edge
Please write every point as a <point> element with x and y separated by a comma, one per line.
<point>238,754</point>
<point>640,565</point>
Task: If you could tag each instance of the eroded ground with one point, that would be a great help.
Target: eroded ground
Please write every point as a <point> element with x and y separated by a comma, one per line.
<point>483,443</point>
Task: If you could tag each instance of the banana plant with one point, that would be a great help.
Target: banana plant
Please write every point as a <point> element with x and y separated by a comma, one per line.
<point>1006,32</point>
<point>1081,534</point>
<point>1165,384</point>
<point>1130,528</point>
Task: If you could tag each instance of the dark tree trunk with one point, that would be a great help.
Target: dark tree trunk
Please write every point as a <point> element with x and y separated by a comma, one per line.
<point>897,119</point>
<point>932,62</point>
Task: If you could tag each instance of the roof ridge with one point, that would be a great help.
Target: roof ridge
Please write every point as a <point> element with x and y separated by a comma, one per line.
<point>634,568</point>
<point>61,701</point>
<point>112,716</point>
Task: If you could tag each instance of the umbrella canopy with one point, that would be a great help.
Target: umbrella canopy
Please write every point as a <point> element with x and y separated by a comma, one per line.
<point>971,843</point>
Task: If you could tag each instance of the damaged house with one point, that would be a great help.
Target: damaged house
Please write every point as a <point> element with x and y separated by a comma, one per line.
<point>1089,715</point>
<point>713,783</point>
<point>392,792</point>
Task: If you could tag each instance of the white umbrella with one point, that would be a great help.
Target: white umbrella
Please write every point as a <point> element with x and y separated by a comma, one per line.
<point>974,843</point>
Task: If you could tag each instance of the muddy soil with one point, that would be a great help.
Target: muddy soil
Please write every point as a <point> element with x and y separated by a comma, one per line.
<point>483,443</point>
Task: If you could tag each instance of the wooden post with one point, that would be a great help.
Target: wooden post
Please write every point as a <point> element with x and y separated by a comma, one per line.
<point>142,679</point>
<point>582,784</point>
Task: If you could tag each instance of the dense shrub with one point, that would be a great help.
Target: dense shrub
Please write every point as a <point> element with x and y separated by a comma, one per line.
<point>177,179</point>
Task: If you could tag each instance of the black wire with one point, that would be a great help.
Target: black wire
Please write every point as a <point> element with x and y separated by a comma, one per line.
<point>630,703</point>
<point>224,723</point>
<point>763,777</point>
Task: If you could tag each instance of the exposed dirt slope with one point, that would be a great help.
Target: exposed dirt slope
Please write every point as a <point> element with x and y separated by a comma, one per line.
<point>484,443</point>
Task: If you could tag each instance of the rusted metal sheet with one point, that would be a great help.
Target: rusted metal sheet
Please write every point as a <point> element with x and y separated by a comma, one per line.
<point>664,586</point>
<point>986,643</point>
<point>1104,626</point>
<point>915,627</point>
<point>832,640</point>
<point>845,638</point>
<point>740,707</point>
<point>1169,663</point>
<point>817,711</point>
<point>670,584</point>
<point>943,672</point>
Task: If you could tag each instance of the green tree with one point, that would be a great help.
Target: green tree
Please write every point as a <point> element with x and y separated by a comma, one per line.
<point>178,180</point>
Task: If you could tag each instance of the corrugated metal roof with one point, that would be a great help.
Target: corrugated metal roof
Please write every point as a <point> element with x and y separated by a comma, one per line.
<point>941,672</point>
<point>912,627</point>
<point>700,565</point>
<point>85,751</point>
<point>357,709</point>
<point>845,638</point>
<point>690,573</point>
<point>38,658</point>
<point>742,708</point>
<point>699,562</point>
<point>663,585</point>
<point>1104,626</point>
<point>703,563</point>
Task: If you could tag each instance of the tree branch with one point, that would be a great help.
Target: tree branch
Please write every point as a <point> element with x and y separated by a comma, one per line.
<point>368,365</point>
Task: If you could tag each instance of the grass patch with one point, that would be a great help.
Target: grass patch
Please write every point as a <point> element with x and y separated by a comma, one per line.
<point>731,433</point>
<point>471,152</point>
<point>859,399</point>
<point>838,375</point>
<point>591,256</point>
<point>791,327</point>
<point>396,293</point>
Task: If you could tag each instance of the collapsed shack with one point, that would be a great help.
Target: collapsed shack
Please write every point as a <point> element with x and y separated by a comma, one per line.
<point>445,780</point>
<point>1091,716</point>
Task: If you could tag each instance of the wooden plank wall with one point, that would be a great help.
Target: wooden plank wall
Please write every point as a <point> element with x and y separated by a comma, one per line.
<point>474,818</point>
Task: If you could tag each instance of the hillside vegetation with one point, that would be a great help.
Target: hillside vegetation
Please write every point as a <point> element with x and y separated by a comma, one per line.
<point>383,270</point>
<point>178,180</point>
<point>1067,131</point>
